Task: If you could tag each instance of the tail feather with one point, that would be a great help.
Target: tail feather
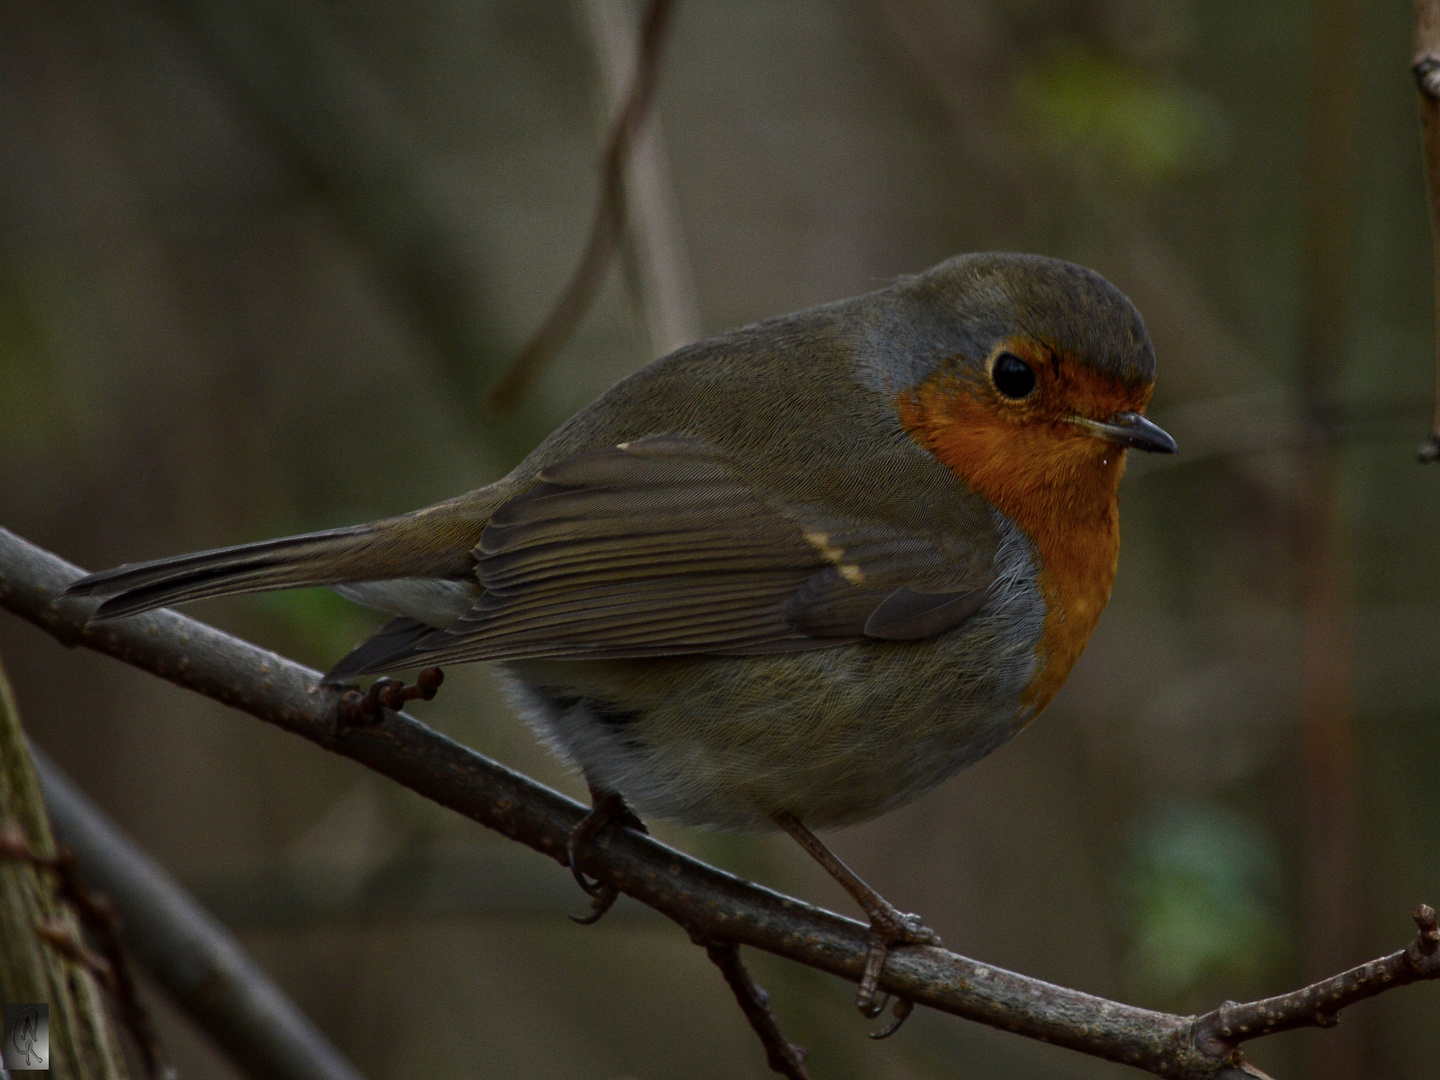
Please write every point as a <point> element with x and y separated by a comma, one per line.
<point>396,547</point>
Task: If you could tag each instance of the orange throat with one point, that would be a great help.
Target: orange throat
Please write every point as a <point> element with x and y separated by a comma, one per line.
<point>1057,484</point>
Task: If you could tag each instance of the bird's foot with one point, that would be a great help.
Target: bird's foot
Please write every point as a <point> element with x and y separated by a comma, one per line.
<point>363,709</point>
<point>608,808</point>
<point>888,927</point>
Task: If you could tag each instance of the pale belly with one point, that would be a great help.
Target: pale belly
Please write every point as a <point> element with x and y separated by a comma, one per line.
<point>833,736</point>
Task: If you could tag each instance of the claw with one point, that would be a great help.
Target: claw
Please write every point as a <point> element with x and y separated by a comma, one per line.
<point>903,1009</point>
<point>601,901</point>
<point>609,808</point>
<point>363,710</point>
<point>887,929</point>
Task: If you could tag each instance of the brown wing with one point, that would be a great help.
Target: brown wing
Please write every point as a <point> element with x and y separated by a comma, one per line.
<point>660,547</point>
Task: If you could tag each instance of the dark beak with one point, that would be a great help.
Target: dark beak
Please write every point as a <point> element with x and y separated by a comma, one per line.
<point>1130,429</point>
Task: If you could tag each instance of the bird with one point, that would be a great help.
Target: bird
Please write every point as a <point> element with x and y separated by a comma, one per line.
<point>791,576</point>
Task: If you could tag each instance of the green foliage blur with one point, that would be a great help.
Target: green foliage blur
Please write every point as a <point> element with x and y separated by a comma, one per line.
<point>1095,112</point>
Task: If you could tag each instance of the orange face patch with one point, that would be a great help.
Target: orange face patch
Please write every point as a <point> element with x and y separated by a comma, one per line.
<point>1051,477</point>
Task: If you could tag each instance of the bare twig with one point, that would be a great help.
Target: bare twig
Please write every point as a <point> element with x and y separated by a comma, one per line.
<point>709,903</point>
<point>608,225</point>
<point>97,914</point>
<point>1319,1005</point>
<point>191,955</point>
<point>1426,68</point>
<point>783,1056</point>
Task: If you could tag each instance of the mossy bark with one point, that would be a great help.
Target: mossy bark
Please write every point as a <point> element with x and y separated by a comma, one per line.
<point>83,1041</point>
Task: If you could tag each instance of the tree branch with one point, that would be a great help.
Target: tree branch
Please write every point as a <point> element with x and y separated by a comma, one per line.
<point>709,903</point>
<point>109,967</point>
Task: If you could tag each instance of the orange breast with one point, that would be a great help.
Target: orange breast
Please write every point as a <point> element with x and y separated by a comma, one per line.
<point>1059,485</point>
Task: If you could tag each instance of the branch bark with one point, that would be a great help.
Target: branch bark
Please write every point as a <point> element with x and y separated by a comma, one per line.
<point>711,905</point>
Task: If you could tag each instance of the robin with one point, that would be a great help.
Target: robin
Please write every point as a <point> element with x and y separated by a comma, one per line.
<point>791,576</point>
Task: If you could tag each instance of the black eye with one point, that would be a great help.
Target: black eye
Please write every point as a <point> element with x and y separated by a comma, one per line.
<point>1012,376</point>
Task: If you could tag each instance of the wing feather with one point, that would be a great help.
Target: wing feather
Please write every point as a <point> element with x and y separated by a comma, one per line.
<point>660,546</point>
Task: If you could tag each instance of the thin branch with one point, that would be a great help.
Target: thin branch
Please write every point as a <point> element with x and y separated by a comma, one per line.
<point>608,225</point>
<point>783,1056</point>
<point>1426,69</point>
<point>1319,1005</point>
<point>709,903</point>
<point>191,955</point>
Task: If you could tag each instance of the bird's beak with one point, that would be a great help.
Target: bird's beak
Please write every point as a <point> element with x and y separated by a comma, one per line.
<point>1129,429</point>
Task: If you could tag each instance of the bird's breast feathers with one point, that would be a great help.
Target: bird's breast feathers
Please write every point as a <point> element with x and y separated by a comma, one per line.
<point>1062,493</point>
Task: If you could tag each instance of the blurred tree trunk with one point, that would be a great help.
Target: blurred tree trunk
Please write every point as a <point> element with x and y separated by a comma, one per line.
<point>83,1042</point>
<point>1330,882</point>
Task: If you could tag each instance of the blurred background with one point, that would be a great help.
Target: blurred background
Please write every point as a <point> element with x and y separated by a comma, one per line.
<point>259,262</point>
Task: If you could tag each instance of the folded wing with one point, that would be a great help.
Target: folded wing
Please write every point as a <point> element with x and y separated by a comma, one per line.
<point>661,546</point>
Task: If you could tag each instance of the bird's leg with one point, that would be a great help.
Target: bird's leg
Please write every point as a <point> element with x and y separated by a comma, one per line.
<point>607,808</point>
<point>369,708</point>
<point>888,925</point>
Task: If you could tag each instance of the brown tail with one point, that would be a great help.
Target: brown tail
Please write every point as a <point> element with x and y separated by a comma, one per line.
<point>416,545</point>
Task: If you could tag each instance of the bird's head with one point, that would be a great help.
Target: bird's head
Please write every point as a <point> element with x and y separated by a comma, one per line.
<point>1029,378</point>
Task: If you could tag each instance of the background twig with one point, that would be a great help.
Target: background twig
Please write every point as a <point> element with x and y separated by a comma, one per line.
<point>1330,862</point>
<point>609,222</point>
<point>660,261</point>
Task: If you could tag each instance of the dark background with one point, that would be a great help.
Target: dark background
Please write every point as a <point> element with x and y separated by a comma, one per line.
<point>259,260</point>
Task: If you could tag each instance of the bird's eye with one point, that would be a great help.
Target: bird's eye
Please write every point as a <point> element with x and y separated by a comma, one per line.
<point>1012,376</point>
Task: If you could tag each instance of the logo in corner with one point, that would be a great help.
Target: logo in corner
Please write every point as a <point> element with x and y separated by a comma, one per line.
<point>25,1038</point>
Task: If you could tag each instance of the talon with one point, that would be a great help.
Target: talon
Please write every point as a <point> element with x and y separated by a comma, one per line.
<point>601,901</point>
<point>903,1009</point>
<point>887,929</point>
<point>573,846</point>
<point>609,808</point>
